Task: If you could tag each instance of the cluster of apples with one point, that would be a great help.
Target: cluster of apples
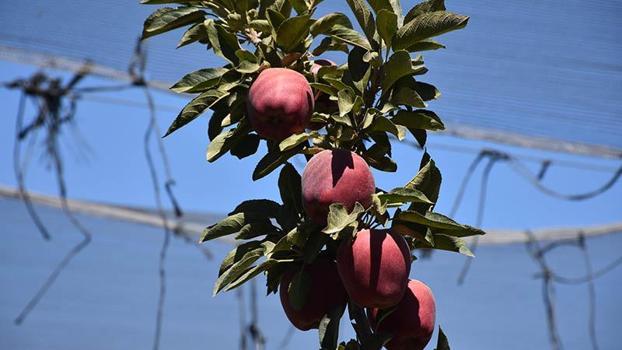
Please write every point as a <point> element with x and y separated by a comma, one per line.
<point>372,269</point>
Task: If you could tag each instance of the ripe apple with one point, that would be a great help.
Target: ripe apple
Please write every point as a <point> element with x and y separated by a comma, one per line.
<point>412,321</point>
<point>325,293</point>
<point>335,176</point>
<point>374,268</point>
<point>280,103</point>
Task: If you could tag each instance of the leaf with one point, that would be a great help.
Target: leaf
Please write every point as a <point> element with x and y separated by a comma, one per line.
<point>236,254</point>
<point>441,222</point>
<point>195,108</point>
<point>271,161</point>
<point>349,36</point>
<point>427,91</point>
<point>229,225</point>
<point>292,32</point>
<point>387,26</point>
<point>339,218</point>
<point>425,45</point>
<point>425,7</point>
<point>237,269</point>
<point>418,119</point>
<point>295,140</point>
<point>442,343</point>
<point>398,66</point>
<point>257,208</point>
<point>294,238</point>
<point>452,244</point>
<point>201,79</point>
<point>225,141</point>
<point>290,191</point>
<point>298,289</point>
<point>325,23</point>
<point>402,195</point>
<point>345,102</point>
<point>328,329</point>
<point>197,32</point>
<point>359,70</point>
<point>405,93</point>
<point>330,44</point>
<point>224,43</point>
<point>427,25</point>
<point>364,17</point>
<point>250,273</point>
<point>166,19</point>
<point>300,6</point>
<point>246,146</point>
<point>383,124</point>
<point>249,63</point>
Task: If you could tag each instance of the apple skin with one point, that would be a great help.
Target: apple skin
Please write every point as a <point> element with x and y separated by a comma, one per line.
<point>326,293</point>
<point>374,268</point>
<point>280,103</point>
<point>335,176</point>
<point>412,321</point>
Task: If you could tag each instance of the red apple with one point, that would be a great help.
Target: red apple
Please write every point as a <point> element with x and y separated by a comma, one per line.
<point>280,103</point>
<point>326,292</point>
<point>374,268</point>
<point>412,321</point>
<point>335,176</point>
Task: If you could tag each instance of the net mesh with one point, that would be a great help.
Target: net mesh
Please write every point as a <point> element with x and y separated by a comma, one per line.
<point>544,69</point>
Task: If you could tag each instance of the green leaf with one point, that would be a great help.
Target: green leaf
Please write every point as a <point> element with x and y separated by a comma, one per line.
<point>425,45</point>
<point>328,329</point>
<point>239,268</point>
<point>246,146</point>
<point>229,225</point>
<point>330,44</point>
<point>290,189</point>
<point>249,63</point>
<point>275,18</point>
<point>237,253</point>
<point>257,209</point>
<point>387,26</point>
<point>418,119</point>
<point>224,43</point>
<point>294,238</point>
<point>398,66</point>
<point>438,221</point>
<point>345,102</point>
<point>272,160</point>
<point>300,6</point>
<point>359,70</point>
<point>427,25</point>
<point>197,32</point>
<point>298,289</point>
<point>402,195</point>
<point>166,19</point>
<point>195,108</point>
<point>349,36</point>
<point>425,7</point>
<point>295,140</point>
<point>250,273</point>
<point>427,91</point>
<point>383,124</point>
<point>339,218</point>
<point>292,32</point>
<point>199,80</point>
<point>364,17</point>
<point>225,141</point>
<point>442,343</point>
<point>325,23</point>
<point>452,244</point>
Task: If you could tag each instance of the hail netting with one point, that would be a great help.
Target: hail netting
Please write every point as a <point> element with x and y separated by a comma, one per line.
<point>550,69</point>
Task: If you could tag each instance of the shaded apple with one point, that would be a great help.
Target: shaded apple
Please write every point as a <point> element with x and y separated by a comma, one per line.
<point>412,322</point>
<point>280,103</point>
<point>374,268</point>
<point>325,293</point>
<point>335,176</point>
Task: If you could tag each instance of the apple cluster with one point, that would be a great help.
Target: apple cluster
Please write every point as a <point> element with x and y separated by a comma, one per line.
<point>371,269</point>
